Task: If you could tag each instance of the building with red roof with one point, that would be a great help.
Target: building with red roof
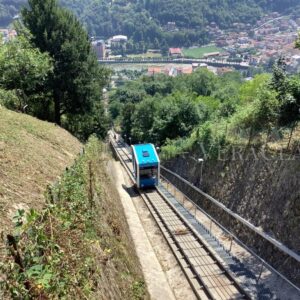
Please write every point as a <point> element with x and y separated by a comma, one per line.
<point>154,70</point>
<point>175,52</point>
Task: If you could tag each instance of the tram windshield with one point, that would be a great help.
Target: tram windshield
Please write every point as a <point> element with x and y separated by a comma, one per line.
<point>148,173</point>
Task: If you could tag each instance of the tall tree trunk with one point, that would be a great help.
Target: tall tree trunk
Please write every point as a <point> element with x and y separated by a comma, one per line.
<point>251,133</point>
<point>291,134</point>
<point>57,109</point>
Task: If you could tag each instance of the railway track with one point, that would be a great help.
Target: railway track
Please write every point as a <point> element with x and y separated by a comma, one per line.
<point>208,276</point>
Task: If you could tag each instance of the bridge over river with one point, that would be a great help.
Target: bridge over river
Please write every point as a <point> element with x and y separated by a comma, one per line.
<point>210,62</point>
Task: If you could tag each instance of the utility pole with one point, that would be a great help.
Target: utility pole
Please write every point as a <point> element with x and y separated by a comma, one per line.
<point>201,160</point>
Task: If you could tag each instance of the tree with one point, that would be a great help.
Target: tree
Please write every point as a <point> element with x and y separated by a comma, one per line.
<point>77,79</point>
<point>142,120</point>
<point>25,70</point>
<point>266,110</point>
<point>175,117</point>
<point>297,43</point>
<point>94,122</point>
<point>130,92</point>
<point>126,121</point>
<point>115,108</point>
<point>203,82</point>
<point>279,80</point>
<point>260,114</point>
<point>286,88</point>
<point>159,83</point>
<point>249,89</point>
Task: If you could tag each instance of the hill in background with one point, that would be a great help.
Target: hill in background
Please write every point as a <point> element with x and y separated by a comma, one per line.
<point>146,21</point>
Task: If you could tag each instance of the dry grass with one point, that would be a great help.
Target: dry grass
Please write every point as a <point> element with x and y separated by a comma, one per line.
<point>282,144</point>
<point>85,240</point>
<point>32,155</point>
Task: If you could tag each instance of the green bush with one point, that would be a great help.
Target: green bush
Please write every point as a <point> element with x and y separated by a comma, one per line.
<point>9,99</point>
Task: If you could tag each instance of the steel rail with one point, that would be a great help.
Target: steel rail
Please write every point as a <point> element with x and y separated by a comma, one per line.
<point>235,238</point>
<point>276,243</point>
<point>122,162</point>
<point>229,275</point>
<point>223,270</point>
<point>267,237</point>
<point>202,284</point>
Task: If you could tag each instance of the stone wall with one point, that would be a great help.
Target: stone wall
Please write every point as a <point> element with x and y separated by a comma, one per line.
<point>263,191</point>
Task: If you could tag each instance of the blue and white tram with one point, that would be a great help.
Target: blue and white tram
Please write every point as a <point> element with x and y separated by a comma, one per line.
<point>146,165</point>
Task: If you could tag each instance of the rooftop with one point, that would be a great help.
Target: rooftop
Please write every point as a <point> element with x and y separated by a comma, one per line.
<point>145,154</point>
<point>175,51</point>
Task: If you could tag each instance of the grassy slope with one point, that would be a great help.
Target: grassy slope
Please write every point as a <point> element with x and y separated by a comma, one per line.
<point>32,155</point>
<point>77,244</point>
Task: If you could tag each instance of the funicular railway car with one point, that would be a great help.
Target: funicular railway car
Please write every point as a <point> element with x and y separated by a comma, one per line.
<point>146,165</point>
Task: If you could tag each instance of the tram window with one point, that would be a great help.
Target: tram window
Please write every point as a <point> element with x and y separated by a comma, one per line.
<point>146,154</point>
<point>148,173</point>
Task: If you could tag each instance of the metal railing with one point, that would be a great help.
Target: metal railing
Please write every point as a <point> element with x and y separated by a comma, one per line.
<point>264,235</point>
<point>276,243</point>
<point>243,65</point>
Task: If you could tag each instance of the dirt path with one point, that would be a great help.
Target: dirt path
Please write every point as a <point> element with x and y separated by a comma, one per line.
<point>163,276</point>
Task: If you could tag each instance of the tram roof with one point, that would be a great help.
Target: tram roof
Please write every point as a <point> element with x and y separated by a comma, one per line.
<point>145,154</point>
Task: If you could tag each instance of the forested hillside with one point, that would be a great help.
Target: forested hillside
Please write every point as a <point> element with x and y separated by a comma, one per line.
<point>144,21</point>
<point>179,114</point>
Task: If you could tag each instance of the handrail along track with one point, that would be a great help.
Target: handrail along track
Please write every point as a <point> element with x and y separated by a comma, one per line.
<point>233,237</point>
<point>207,275</point>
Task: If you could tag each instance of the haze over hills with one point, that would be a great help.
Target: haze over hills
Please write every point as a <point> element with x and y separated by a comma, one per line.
<point>147,22</point>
